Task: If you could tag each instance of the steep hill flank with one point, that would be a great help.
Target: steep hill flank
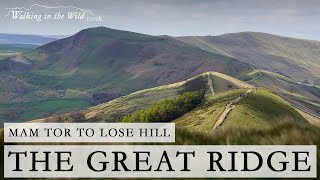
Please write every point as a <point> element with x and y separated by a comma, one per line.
<point>120,61</point>
<point>295,58</point>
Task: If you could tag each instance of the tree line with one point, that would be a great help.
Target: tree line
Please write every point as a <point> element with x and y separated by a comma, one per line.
<point>168,109</point>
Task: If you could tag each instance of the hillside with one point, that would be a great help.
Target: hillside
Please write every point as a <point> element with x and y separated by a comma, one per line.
<point>114,110</point>
<point>99,64</point>
<point>296,59</point>
<point>252,107</point>
<point>304,97</point>
<point>258,116</point>
<point>252,122</point>
<point>261,109</point>
<point>132,56</point>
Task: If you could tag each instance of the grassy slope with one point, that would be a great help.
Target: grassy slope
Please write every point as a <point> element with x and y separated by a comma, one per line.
<point>262,109</point>
<point>116,109</point>
<point>204,116</point>
<point>303,96</point>
<point>124,61</point>
<point>284,60</point>
<point>259,110</point>
<point>260,118</point>
<point>294,58</point>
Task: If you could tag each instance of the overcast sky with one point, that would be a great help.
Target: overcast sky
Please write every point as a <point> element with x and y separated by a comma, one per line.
<point>293,18</point>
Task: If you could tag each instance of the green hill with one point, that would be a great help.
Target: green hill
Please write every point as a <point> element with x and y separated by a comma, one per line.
<point>98,58</point>
<point>99,64</point>
<point>261,109</point>
<point>257,115</point>
<point>287,66</point>
<point>250,107</point>
<point>114,110</point>
<point>304,97</point>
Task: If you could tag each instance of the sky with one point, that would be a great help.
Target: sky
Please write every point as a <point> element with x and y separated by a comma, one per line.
<point>292,18</point>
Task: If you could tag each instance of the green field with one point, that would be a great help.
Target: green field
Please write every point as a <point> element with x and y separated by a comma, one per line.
<point>33,110</point>
<point>8,50</point>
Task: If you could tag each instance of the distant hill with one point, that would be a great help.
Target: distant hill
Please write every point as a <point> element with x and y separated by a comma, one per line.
<point>98,58</point>
<point>56,36</point>
<point>296,59</point>
<point>25,39</point>
<point>17,47</point>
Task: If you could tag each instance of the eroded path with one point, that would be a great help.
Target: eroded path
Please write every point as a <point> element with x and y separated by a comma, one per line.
<point>210,83</point>
<point>230,106</point>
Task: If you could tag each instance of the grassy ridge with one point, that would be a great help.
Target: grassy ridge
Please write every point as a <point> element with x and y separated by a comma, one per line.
<point>115,110</point>
<point>262,117</point>
<point>202,118</point>
<point>262,109</point>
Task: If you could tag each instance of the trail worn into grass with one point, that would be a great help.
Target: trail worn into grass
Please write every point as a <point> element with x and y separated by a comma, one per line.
<point>259,74</point>
<point>210,83</point>
<point>309,117</point>
<point>15,78</point>
<point>230,106</point>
